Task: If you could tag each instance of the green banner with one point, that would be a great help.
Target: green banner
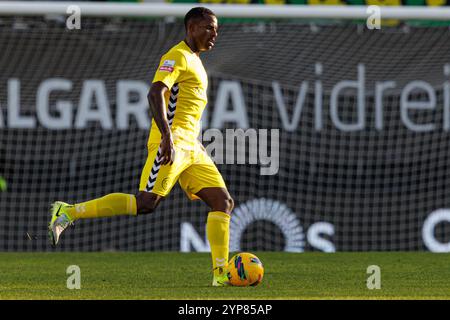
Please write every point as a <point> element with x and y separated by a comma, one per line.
<point>328,2</point>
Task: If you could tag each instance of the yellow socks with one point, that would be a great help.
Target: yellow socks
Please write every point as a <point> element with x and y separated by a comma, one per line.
<point>110,205</point>
<point>217,230</point>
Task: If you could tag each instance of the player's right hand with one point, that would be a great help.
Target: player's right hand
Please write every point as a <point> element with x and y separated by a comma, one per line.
<point>167,150</point>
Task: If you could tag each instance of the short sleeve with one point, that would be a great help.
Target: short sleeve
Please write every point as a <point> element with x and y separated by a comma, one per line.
<point>171,68</point>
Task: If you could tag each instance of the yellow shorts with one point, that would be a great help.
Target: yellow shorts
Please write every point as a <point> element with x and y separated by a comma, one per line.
<point>193,169</point>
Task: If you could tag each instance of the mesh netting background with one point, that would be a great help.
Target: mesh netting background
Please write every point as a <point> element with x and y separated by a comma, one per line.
<point>376,187</point>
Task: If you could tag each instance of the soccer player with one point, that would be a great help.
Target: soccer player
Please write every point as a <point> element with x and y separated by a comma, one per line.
<point>177,98</point>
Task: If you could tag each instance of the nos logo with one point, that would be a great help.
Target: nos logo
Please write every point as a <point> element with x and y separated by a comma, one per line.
<point>270,210</point>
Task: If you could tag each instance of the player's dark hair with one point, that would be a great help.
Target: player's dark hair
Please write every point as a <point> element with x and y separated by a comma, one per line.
<point>197,13</point>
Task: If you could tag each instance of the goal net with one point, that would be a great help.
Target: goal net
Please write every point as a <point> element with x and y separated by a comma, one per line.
<point>355,123</point>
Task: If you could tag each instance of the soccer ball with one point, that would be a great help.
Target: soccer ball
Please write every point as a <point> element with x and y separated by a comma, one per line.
<point>245,269</point>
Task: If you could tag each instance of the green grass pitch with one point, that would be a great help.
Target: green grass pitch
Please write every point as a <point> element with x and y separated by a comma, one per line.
<point>172,275</point>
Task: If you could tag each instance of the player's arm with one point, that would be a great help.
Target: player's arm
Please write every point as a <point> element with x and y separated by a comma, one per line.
<point>157,106</point>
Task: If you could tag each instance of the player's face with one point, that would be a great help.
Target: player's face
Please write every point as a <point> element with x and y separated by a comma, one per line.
<point>205,33</point>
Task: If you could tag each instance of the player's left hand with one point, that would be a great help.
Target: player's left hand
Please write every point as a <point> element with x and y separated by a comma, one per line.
<point>167,150</point>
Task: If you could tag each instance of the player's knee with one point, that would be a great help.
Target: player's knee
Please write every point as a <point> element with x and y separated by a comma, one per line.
<point>228,205</point>
<point>147,208</point>
<point>231,204</point>
<point>146,203</point>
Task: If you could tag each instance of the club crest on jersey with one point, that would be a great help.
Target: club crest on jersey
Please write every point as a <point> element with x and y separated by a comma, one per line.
<point>167,65</point>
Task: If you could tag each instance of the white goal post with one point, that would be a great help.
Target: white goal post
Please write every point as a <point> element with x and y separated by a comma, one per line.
<point>101,9</point>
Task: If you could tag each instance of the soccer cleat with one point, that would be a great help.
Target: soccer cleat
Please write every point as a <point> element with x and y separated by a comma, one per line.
<point>222,279</point>
<point>59,222</point>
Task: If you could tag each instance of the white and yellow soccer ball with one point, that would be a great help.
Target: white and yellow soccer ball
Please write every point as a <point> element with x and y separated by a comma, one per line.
<point>245,269</point>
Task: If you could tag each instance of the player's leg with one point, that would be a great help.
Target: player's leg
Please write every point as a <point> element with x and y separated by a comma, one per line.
<point>217,198</point>
<point>156,182</point>
<point>64,214</point>
<point>113,204</point>
<point>217,228</point>
<point>146,202</point>
<point>203,181</point>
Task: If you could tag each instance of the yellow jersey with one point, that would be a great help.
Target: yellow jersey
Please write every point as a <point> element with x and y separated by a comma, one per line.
<point>182,71</point>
